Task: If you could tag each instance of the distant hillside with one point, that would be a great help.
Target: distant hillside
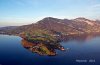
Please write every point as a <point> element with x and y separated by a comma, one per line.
<point>54,26</point>
<point>8,27</point>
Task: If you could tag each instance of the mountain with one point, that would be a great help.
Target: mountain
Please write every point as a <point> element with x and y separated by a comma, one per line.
<point>52,25</point>
<point>86,25</point>
<point>8,27</point>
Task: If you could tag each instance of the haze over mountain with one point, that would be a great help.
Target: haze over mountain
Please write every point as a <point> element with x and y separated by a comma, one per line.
<point>54,25</point>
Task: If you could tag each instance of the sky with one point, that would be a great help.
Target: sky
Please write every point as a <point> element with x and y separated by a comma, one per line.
<point>22,12</point>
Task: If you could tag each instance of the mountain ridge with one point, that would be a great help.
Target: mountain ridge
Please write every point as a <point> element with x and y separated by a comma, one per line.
<point>65,26</point>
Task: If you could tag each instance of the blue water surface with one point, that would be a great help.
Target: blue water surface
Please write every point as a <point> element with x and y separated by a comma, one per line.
<point>77,52</point>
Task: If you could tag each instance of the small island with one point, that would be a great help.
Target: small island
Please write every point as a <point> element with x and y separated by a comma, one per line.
<point>43,44</point>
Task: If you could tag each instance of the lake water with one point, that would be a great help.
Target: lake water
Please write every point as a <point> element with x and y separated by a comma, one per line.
<point>83,50</point>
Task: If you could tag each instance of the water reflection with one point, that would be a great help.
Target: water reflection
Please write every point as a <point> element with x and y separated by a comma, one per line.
<point>82,38</point>
<point>42,48</point>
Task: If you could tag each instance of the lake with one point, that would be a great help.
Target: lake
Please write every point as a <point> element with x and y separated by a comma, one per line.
<point>82,50</point>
